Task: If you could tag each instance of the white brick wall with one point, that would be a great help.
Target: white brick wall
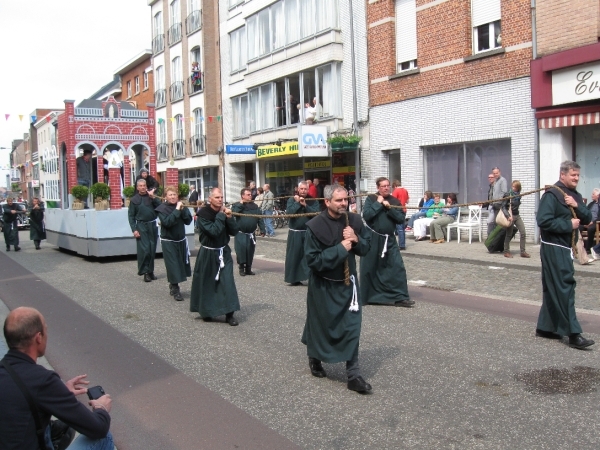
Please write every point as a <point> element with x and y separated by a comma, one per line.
<point>493,111</point>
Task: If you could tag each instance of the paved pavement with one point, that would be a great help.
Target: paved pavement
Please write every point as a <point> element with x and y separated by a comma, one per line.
<point>456,371</point>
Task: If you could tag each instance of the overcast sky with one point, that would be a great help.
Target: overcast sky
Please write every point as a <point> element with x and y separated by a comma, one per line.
<point>52,50</point>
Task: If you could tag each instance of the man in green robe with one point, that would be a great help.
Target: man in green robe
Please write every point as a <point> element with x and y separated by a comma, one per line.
<point>142,220</point>
<point>10,228</point>
<point>173,218</point>
<point>382,273</point>
<point>334,308</point>
<point>296,269</point>
<point>557,316</point>
<point>213,287</point>
<point>37,231</point>
<point>245,242</point>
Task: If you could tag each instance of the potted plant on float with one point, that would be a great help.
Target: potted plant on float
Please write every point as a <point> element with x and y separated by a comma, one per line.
<point>184,191</point>
<point>80,193</point>
<point>101,192</point>
<point>336,143</point>
<point>351,142</point>
<point>128,192</point>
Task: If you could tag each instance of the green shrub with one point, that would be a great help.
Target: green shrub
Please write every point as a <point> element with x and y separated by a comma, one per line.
<point>129,191</point>
<point>336,140</point>
<point>352,139</point>
<point>184,190</point>
<point>80,192</point>
<point>159,191</point>
<point>101,190</point>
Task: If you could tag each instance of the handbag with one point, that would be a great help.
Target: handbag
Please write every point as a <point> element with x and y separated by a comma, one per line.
<point>501,218</point>
<point>582,256</point>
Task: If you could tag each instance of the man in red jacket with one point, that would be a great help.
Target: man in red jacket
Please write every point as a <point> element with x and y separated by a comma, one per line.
<point>402,195</point>
<point>312,189</point>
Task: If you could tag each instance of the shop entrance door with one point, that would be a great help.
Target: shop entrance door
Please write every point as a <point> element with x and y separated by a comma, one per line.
<point>587,143</point>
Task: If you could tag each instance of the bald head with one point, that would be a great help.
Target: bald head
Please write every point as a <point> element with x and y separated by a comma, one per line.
<point>21,327</point>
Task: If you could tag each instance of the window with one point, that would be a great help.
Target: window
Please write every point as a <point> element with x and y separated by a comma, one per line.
<point>406,34</point>
<point>178,127</point>
<point>463,168</point>
<point>237,43</point>
<point>252,28</point>
<point>176,69</point>
<point>160,77</point>
<point>145,80</point>
<point>129,89</point>
<point>137,85</point>
<point>194,6</point>
<point>307,18</point>
<point>264,32</point>
<point>175,13</point>
<point>394,165</point>
<point>158,24</point>
<point>198,133</point>
<point>195,56</point>
<point>485,18</point>
<point>291,16</point>
<point>241,121</point>
<point>162,132</point>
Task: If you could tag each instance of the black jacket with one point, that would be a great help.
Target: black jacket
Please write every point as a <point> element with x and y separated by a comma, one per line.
<point>17,427</point>
<point>515,202</point>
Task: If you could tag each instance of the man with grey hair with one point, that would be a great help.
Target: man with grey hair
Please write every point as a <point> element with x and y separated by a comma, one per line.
<point>557,316</point>
<point>296,269</point>
<point>499,190</point>
<point>591,227</point>
<point>334,308</point>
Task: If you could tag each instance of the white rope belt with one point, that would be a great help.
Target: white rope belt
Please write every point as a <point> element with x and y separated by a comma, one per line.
<point>386,239</point>
<point>251,236</point>
<point>297,231</point>
<point>354,301</point>
<point>221,259</point>
<point>561,246</point>
<point>187,248</point>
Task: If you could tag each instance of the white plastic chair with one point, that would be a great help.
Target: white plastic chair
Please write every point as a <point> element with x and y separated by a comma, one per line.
<point>474,222</point>
<point>452,225</point>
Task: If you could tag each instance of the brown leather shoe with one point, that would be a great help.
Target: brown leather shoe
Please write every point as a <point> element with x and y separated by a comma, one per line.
<point>525,255</point>
<point>507,255</point>
<point>439,241</point>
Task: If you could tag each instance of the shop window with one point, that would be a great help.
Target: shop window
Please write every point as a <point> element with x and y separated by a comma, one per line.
<point>463,168</point>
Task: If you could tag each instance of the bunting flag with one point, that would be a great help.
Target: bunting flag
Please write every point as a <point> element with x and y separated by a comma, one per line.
<point>218,118</point>
<point>191,119</point>
<point>7,116</point>
<point>181,119</point>
<point>33,119</point>
<point>210,119</point>
<point>49,118</point>
<point>172,119</point>
<point>21,120</point>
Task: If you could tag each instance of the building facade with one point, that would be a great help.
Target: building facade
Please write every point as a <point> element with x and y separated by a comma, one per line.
<point>137,81</point>
<point>286,65</point>
<point>449,92</point>
<point>564,89</point>
<point>185,61</point>
<point>47,163</point>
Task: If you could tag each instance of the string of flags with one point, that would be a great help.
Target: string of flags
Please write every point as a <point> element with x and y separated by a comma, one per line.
<point>209,119</point>
<point>32,118</point>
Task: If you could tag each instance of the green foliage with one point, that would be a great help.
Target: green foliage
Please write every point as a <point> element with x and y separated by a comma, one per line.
<point>100,190</point>
<point>184,190</point>
<point>15,187</point>
<point>129,191</point>
<point>352,139</point>
<point>80,192</point>
<point>159,191</point>
<point>336,140</point>
<point>341,140</point>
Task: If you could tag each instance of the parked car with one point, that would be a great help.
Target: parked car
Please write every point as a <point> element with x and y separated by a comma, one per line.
<point>23,219</point>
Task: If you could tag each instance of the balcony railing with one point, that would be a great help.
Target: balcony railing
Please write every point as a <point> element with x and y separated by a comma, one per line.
<point>193,22</point>
<point>195,83</point>
<point>176,91</point>
<point>163,152</point>
<point>158,44</point>
<point>175,33</point>
<point>197,143</point>
<point>34,156</point>
<point>134,113</point>
<point>178,146</point>
<point>89,112</point>
<point>160,98</point>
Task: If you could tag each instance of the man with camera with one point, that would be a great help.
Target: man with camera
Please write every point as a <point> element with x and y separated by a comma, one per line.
<point>30,394</point>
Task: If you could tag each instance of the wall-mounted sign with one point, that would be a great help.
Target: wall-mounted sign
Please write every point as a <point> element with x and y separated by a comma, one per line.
<point>35,183</point>
<point>240,150</point>
<point>317,165</point>
<point>286,173</point>
<point>313,140</point>
<point>268,151</point>
<point>344,169</point>
<point>576,84</point>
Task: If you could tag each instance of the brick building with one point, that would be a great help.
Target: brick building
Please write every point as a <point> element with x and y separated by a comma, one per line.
<point>137,81</point>
<point>18,161</point>
<point>449,93</point>
<point>187,95</point>
<point>287,63</point>
<point>46,173</point>
<point>564,88</point>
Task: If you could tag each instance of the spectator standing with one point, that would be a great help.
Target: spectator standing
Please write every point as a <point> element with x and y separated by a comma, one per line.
<point>253,190</point>
<point>312,189</point>
<point>402,195</point>
<point>499,190</point>
<point>591,227</point>
<point>259,198</point>
<point>10,227</point>
<point>37,231</point>
<point>193,198</point>
<point>267,209</point>
<point>84,169</point>
<point>491,219</point>
<point>514,202</point>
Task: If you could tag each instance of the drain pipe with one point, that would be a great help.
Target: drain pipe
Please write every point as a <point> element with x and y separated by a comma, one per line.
<point>536,134</point>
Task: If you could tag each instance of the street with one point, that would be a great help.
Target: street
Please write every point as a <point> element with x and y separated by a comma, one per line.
<point>456,371</point>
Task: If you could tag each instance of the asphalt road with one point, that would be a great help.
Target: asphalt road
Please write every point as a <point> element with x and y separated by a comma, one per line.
<point>456,371</point>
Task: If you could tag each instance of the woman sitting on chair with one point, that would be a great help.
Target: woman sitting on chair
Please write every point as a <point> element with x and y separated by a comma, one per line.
<point>449,215</point>
<point>433,212</point>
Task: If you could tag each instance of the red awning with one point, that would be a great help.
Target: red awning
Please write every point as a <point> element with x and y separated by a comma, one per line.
<point>569,120</point>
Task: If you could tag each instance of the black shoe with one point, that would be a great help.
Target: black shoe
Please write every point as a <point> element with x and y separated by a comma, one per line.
<point>242,271</point>
<point>547,334</point>
<point>147,278</point>
<point>153,276</point>
<point>8,249</point>
<point>579,342</point>
<point>297,283</point>
<point>402,248</point>
<point>316,368</point>
<point>231,320</point>
<point>17,248</point>
<point>359,385</point>
<point>207,319</point>
<point>177,296</point>
<point>38,248</point>
<point>172,289</point>
<point>405,303</point>
<point>249,271</point>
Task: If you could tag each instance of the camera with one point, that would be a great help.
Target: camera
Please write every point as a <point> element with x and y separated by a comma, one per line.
<point>95,392</point>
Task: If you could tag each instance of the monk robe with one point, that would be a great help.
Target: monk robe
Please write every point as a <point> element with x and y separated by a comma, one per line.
<point>174,244</point>
<point>142,217</point>
<point>245,243</point>
<point>296,269</point>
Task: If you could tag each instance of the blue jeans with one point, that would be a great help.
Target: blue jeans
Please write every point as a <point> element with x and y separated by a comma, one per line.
<point>401,235</point>
<point>269,223</point>
<point>415,216</point>
<point>82,442</point>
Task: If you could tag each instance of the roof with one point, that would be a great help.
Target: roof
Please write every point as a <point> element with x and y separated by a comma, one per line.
<point>108,88</point>
<point>143,56</point>
<point>93,103</point>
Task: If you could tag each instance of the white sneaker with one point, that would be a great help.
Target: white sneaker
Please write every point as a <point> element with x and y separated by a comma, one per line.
<point>595,255</point>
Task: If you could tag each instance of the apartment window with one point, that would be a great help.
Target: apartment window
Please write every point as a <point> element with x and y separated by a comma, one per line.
<point>137,85</point>
<point>176,69</point>
<point>291,16</point>
<point>178,127</point>
<point>175,13</point>
<point>406,34</point>
<point>485,19</point>
<point>198,133</point>
<point>463,168</point>
<point>129,89</point>
<point>233,3</point>
<point>162,132</point>
<point>237,49</point>
<point>241,119</point>
<point>160,77</point>
<point>145,80</point>
<point>195,56</point>
<point>158,24</point>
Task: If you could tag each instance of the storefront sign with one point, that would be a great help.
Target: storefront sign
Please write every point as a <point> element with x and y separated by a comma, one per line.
<point>240,150</point>
<point>268,151</point>
<point>286,173</point>
<point>576,84</point>
<point>313,141</point>
<point>35,183</point>
<point>317,165</point>
<point>344,169</point>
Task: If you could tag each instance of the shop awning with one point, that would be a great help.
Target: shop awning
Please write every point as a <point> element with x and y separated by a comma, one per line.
<point>569,120</point>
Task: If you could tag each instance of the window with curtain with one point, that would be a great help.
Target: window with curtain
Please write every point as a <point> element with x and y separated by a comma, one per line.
<point>128,89</point>
<point>277,25</point>
<point>195,56</point>
<point>307,18</point>
<point>329,91</point>
<point>252,37</point>
<point>178,127</point>
<point>162,132</point>
<point>194,6</point>
<point>175,13</point>
<point>485,20</point>
<point>291,17</point>
<point>235,44</point>
<point>176,69</point>
<point>254,109</point>
<point>198,122</point>
<point>198,133</point>
<point>264,32</point>
<point>145,80</point>
<point>158,24</point>
<point>267,107</point>
<point>326,14</point>
<point>406,34</point>
<point>160,77</point>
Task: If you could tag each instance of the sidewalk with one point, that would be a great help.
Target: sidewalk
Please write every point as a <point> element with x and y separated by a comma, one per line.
<point>474,253</point>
